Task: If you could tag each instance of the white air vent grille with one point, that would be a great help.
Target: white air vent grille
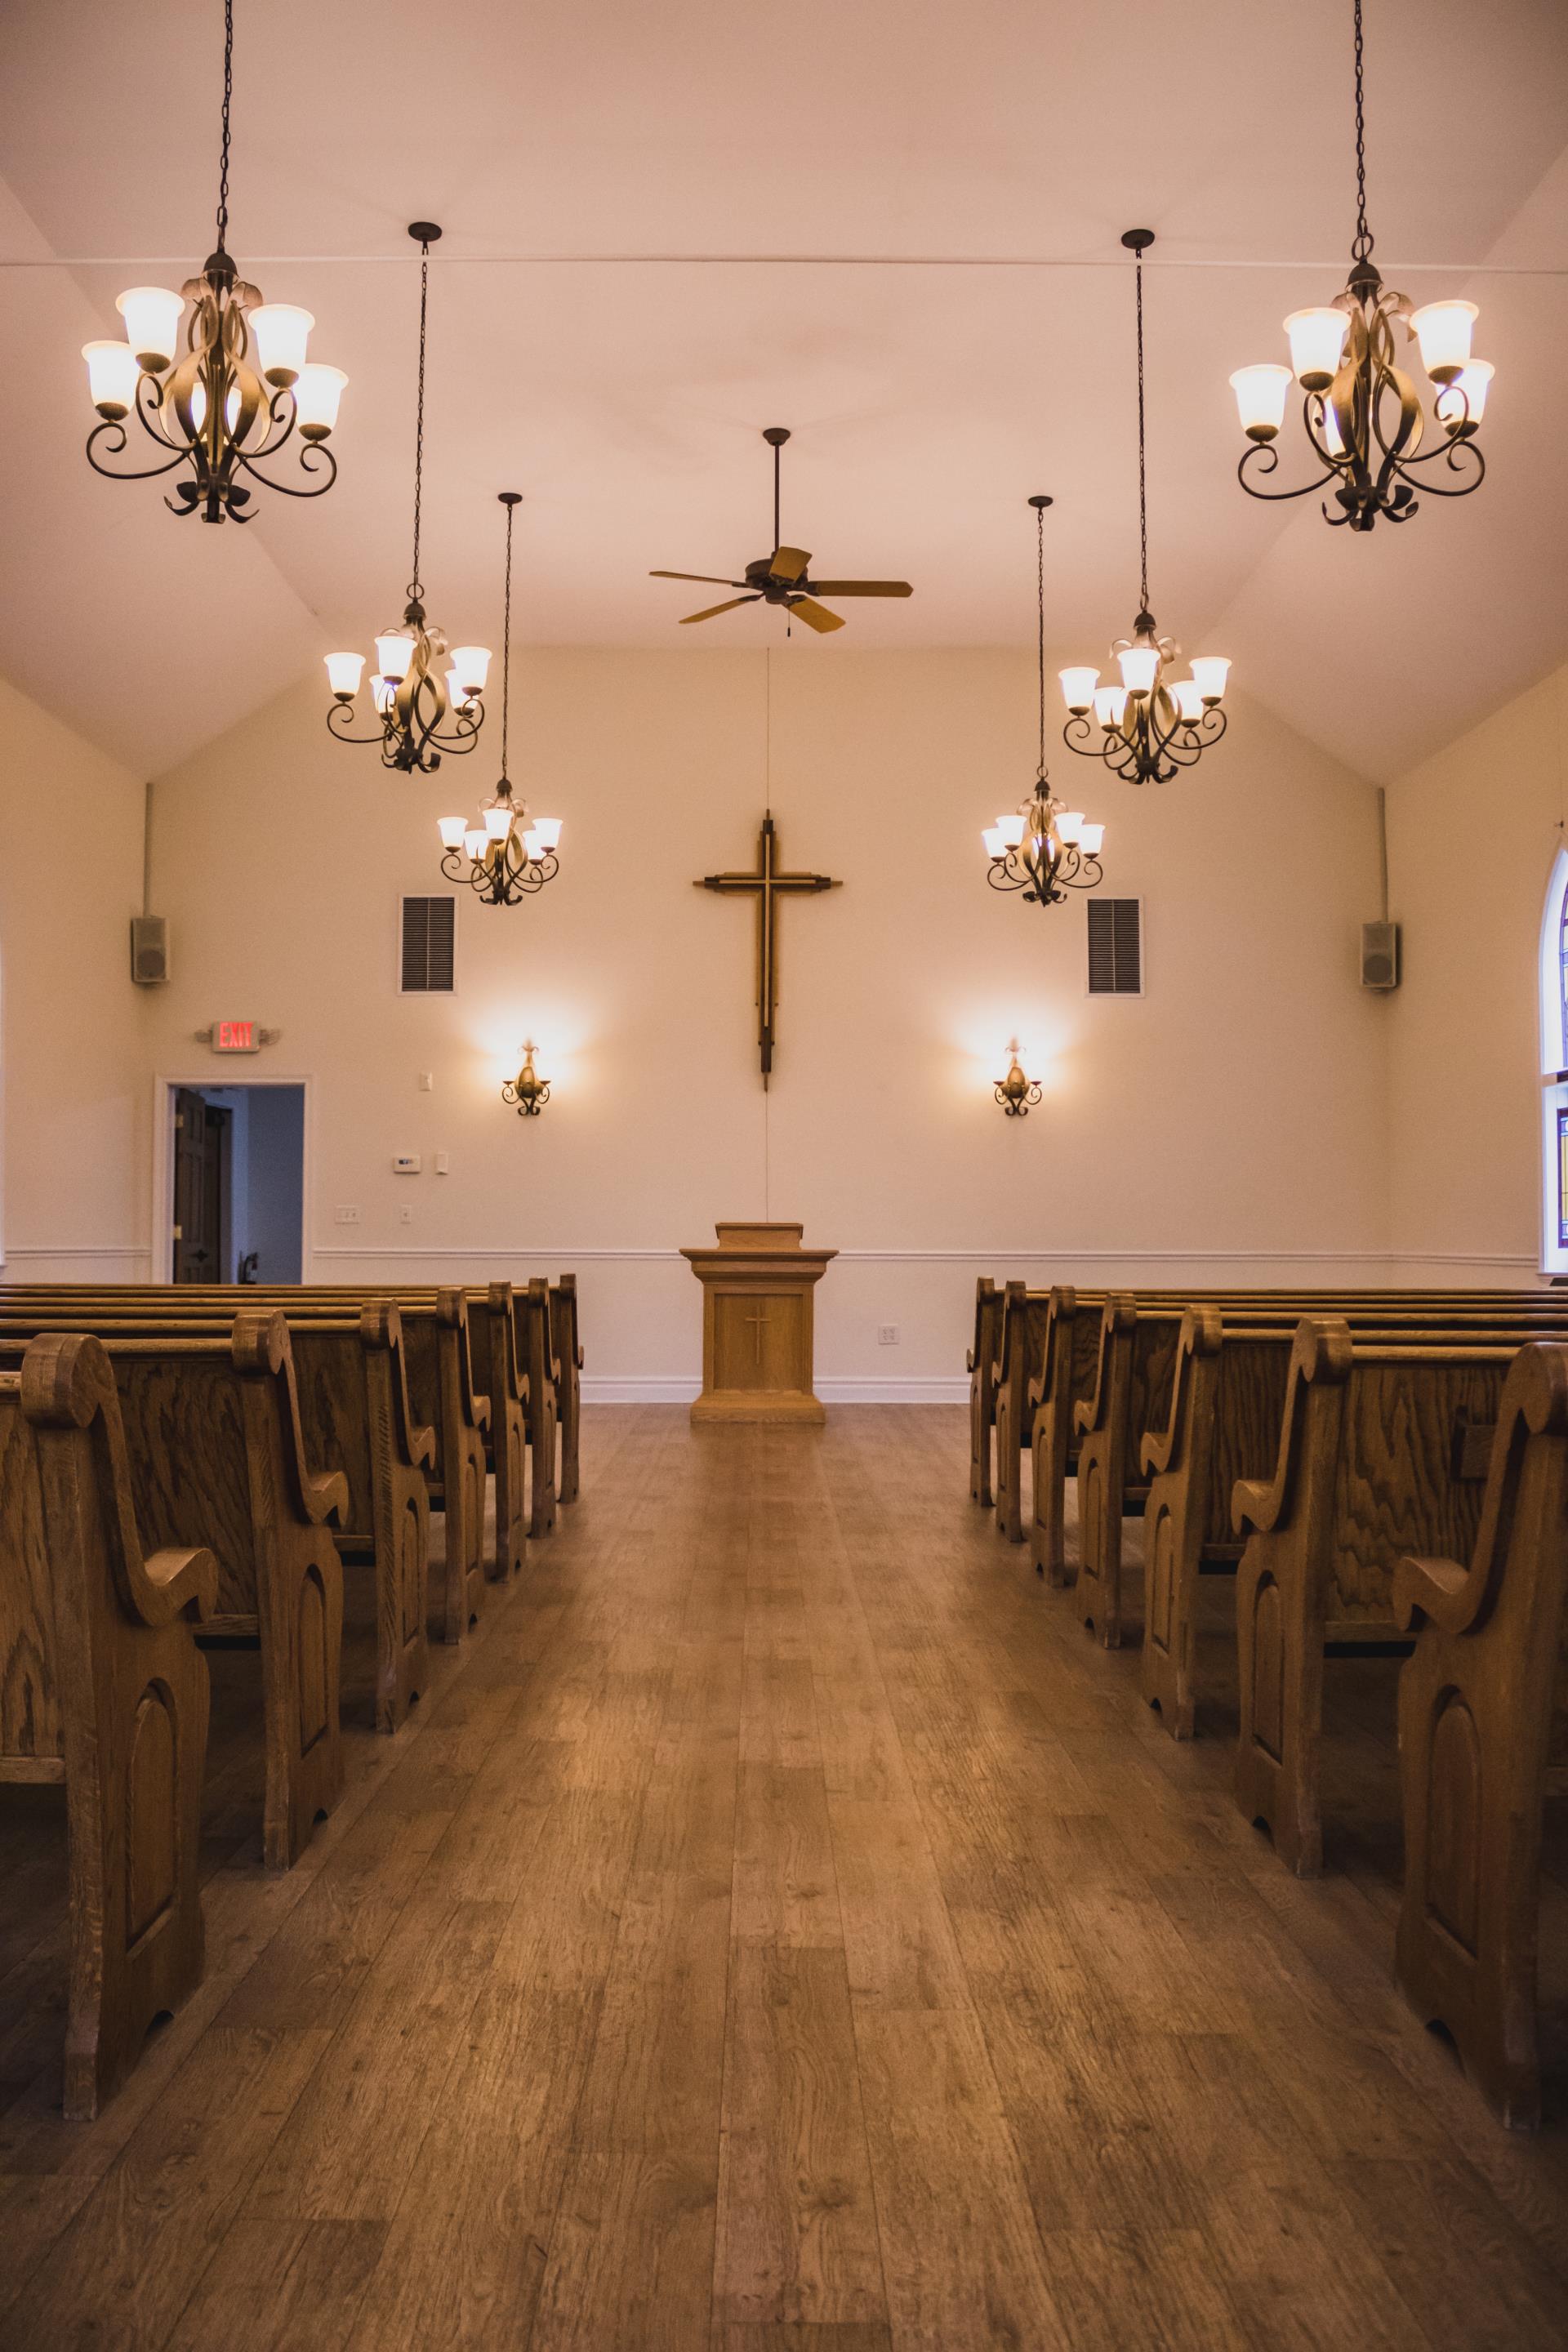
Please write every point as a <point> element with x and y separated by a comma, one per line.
<point>1115,947</point>
<point>429,937</point>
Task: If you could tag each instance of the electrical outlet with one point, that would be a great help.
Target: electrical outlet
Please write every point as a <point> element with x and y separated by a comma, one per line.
<point>443,1163</point>
<point>348,1216</point>
<point>887,1335</point>
<point>405,1216</point>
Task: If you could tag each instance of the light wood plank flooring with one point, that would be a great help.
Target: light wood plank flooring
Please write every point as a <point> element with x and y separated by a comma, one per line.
<point>781,1929</point>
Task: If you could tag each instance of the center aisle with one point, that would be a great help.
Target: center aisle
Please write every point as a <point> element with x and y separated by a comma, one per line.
<point>784,1930</point>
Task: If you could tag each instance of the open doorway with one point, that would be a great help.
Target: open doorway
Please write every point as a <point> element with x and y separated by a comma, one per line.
<point>237,1200</point>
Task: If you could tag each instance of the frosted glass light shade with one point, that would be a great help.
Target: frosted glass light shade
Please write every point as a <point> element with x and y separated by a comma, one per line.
<point>452,829</point>
<point>1077,689</point>
<point>382,693</point>
<point>152,316</point>
<point>472,665</point>
<point>476,842</point>
<point>112,376</point>
<point>1109,705</point>
<point>498,821</point>
<point>344,672</point>
<point>457,692</point>
<point>1442,331</point>
<point>316,397</point>
<point>1260,399</point>
<point>1317,338</point>
<point>995,846</point>
<point>548,829</point>
<point>1069,826</point>
<point>1189,697</point>
<point>1138,664</point>
<point>1209,674</point>
<point>281,331</point>
<point>533,847</point>
<point>1090,839</point>
<point>1011,829</point>
<point>1462,403</point>
<point>393,655</point>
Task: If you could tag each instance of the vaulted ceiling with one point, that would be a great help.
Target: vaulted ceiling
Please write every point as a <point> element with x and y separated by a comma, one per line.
<point>892,226</point>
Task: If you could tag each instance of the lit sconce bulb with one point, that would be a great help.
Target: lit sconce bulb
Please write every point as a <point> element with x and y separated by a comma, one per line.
<point>498,820</point>
<point>1462,403</point>
<point>452,829</point>
<point>1069,826</point>
<point>472,665</point>
<point>547,832</point>
<point>1011,829</point>
<point>382,693</point>
<point>344,674</point>
<point>457,692</point>
<point>394,652</point>
<point>1260,399</point>
<point>281,331</point>
<point>316,397</point>
<point>1090,839</point>
<point>1138,664</point>
<point>152,316</point>
<point>1077,689</point>
<point>1209,674</point>
<point>476,842</point>
<point>533,847</point>
<point>1442,331</point>
<point>231,408</point>
<point>1110,707</point>
<point>995,846</point>
<point>1189,698</point>
<point>1317,338</point>
<point>112,376</point>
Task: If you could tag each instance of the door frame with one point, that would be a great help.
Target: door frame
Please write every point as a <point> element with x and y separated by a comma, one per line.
<point>165,1086</point>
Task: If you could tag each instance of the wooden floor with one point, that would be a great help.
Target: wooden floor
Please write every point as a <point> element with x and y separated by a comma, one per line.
<point>782,1930</point>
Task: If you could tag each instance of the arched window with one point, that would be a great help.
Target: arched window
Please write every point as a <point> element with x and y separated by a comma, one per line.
<point>1555,1070</point>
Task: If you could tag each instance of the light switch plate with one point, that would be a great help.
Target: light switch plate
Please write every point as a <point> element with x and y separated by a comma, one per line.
<point>348,1216</point>
<point>443,1163</point>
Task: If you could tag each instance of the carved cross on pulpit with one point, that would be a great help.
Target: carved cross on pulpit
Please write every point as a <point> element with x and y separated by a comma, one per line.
<point>767,882</point>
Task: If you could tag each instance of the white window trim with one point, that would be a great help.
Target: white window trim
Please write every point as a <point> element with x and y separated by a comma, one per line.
<point>1554,1060</point>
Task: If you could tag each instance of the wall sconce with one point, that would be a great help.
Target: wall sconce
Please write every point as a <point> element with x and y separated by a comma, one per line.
<point>1015,1093</point>
<point>527,1091</point>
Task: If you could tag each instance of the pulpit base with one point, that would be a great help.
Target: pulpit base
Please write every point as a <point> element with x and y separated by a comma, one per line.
<point>734,1405</point>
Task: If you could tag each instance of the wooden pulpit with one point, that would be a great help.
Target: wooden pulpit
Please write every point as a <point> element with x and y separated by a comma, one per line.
<point>757,1285</point>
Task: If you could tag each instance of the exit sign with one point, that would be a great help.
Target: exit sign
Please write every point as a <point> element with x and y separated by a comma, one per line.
<point>236,1037</point>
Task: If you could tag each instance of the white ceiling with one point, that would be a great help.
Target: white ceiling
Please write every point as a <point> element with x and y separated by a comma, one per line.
<point>920,207</point>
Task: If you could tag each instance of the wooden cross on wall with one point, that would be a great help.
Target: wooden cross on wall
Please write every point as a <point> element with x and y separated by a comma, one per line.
<point>768,882</point>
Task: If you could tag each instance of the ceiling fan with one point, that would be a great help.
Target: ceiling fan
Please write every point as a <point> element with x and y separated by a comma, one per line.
<point>781,577</point>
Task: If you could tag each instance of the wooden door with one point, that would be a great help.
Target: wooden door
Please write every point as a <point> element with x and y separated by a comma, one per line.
<point>200,1172</point>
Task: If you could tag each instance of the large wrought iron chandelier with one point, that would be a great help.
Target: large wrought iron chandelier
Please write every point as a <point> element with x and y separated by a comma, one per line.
<point>423,714</point>
<point>505,857</point>
<point>221,408</point>
<point>1044,848</point>
<point>1363,418</point>
<point>1150,726</point>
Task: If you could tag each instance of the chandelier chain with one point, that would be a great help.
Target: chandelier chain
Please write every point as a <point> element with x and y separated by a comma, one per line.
<point>415,589</point>
<point>1143,460</point>
<point>506,645</point>
<point>1363,245</point>
<point>227,102</point>
<point>1041,599</point>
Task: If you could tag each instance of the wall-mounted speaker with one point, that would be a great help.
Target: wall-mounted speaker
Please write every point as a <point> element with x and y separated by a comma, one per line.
<point>1379,955</point>
<point>149,950</point>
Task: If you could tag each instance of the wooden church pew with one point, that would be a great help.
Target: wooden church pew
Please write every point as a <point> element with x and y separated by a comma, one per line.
<point>566,1347</point>
<point>215,1455</point>
<point>1479,1701</point>
<point>1382,1448</point>
<point>493,1335</point>
<point>1070,1360</point>
<point>980,1363</point>
<point>103,1689</point>
<point>1020,1347</point>
<point>543,1412</point>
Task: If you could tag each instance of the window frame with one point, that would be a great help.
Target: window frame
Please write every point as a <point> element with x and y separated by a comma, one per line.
<point>1552,978</point>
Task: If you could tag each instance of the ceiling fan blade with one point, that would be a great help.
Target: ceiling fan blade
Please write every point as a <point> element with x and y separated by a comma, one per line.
<point>711,579</point>
<point>789,564</point>
<point>728,607</point>
<point>862,588</point>
<point>815,616</point>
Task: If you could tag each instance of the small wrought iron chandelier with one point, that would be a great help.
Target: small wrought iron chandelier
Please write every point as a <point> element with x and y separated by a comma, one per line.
<point>528,1092</point>
<point>505,857</point>
<point>422,714</point>
<point>217,409</point>
<point>1044,848</point>
<point>1152,726</point>
<point>1363,415</point>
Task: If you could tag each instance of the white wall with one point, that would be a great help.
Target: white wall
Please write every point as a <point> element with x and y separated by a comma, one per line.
<point>73,1032</point>
<point>1472,835</point>
<point>1230,1121</point>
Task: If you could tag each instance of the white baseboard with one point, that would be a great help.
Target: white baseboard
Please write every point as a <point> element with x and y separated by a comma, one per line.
<point>676,1388</point>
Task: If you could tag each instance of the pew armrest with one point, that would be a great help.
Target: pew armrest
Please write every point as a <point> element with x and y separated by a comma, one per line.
<point>422,1446</point>
<point>1256,1503</point>
<point>1438,1589</point>
<point>178,1582</point>
<point>1154,1450</point>
<point>1083,1416</point>
<point>968,1360</point>
<point>580,1359</point>
<point>325,1495</point>
<point>481,1411</point>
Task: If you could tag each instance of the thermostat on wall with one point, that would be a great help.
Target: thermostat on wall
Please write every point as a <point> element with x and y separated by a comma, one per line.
<point>405,1163</point>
